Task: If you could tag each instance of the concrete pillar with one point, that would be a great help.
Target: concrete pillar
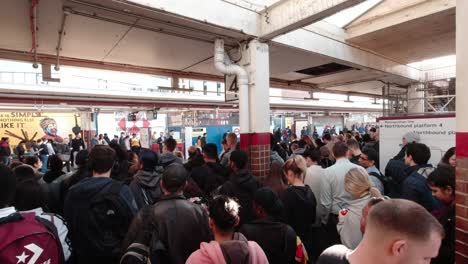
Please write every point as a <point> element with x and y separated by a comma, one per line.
<point>462,132</point>
<point>415,99</point>
<point>257,141</point>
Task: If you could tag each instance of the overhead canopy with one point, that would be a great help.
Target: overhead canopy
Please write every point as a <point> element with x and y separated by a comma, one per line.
<point>407,30</point>
<point>176,38</point>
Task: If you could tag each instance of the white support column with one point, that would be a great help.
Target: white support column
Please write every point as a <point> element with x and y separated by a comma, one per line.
<point>415,99</point>
<point>258,67</point>
<point>462,66</point>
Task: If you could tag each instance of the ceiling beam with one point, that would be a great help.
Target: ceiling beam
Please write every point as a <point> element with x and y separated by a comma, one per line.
<point>290,15</point>
<point>399,15</point>
<point>214,13</point>
<point>346,53</point>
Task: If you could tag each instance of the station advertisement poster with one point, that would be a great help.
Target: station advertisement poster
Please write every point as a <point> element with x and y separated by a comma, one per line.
<point>438,133</point>
<point>34,125</point>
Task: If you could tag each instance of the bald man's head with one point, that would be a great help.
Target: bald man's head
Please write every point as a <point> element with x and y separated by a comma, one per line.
<point>403,217</point>
<point>402,231</point>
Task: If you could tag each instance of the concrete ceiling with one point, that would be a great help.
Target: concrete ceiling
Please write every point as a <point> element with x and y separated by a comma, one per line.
<point>407,30</point>
<point>144,38</point>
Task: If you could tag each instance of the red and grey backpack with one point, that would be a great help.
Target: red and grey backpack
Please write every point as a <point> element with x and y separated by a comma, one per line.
<point>28,239</point>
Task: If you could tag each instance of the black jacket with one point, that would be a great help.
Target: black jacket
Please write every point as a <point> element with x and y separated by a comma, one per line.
<point>209,176</point>
<point>181,226</point>
<point>278,240</point>
<point>146,188</point>
<point>77,143</point>
<point>300,206</point>
<point>447,248</point>
<point>242,185</point>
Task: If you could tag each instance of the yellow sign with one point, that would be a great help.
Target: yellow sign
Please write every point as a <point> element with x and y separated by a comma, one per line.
<point>34,125</point>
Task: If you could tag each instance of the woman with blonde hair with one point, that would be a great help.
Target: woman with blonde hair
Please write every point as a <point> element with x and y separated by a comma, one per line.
<point>299,200</point>
<point>359,186</point>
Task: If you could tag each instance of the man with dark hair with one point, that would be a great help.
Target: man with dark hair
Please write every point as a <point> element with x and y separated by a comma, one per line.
<point>397,231</point>
<point>160,141</point>
<point>211,175</point>
<point>173,218</point>
<point>354,150</point>
<point>77,144</point>
<point>333,195</point>
<point>168,156</point>
<point>414,187</point>
<point>368,159</point>
<point>328,141</point>
<point>241,185</point>
<point>36,164</point>
<point>301,147</point>
<point>145,185</point>
<point>99,211</point>
<point>313,179</point>
<point>277,239</point>
<point>203,140</point>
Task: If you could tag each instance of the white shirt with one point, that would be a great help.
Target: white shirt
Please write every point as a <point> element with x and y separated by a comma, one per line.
<point>50,149</point>
<point>313,179</point>
<point>333,196</point>
<point>4,212</point>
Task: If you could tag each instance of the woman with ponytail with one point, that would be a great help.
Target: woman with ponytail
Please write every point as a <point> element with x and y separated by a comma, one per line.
<point>359,186</point>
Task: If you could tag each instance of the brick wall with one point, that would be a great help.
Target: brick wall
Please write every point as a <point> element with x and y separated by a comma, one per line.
<point>257,146</point>
<point>461,243</point>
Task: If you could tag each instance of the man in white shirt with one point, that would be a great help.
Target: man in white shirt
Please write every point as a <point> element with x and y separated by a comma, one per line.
<point>333,196</point>
<point>313,178</point>
<point>50,148</point>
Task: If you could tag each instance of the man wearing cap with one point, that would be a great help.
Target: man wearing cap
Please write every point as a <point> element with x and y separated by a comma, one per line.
<point>410,137</point>
<point>181,225</point>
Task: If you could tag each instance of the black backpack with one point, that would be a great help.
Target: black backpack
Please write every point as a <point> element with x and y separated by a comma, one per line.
<point>390,187</point>
<point>149,250</point>
<point>100,229</point>
<point>151,196</point>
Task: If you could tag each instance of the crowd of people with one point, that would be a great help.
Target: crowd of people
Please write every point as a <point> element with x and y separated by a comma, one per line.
<point>324,200</point>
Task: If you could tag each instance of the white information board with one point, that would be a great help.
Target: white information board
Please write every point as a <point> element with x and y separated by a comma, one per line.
<point>438,133</point>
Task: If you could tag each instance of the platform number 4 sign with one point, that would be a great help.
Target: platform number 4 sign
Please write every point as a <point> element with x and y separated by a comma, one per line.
<point>231,91</point>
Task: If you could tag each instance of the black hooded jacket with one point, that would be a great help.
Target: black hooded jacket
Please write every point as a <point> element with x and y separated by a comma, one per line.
<point>146,187</point>
<point>242,185</point>
<point>300,206</point>
<point>209,176</point>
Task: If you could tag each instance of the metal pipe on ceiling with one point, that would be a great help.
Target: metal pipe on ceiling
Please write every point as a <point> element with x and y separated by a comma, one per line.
<point>61,34</point>
<point>129,14</point>
<point>129,24</point>
<point>33,21</point>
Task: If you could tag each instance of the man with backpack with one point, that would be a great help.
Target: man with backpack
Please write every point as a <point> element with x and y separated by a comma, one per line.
<point>414,187</point>
<point>145,185</point>
<point>368,158</point>
<point>241,185</point>
<point>99,211</point>
<point>171,229</point>
<point>25,237</point>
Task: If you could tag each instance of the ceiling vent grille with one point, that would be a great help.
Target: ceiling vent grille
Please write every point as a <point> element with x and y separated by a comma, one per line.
<point>326,69</point>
